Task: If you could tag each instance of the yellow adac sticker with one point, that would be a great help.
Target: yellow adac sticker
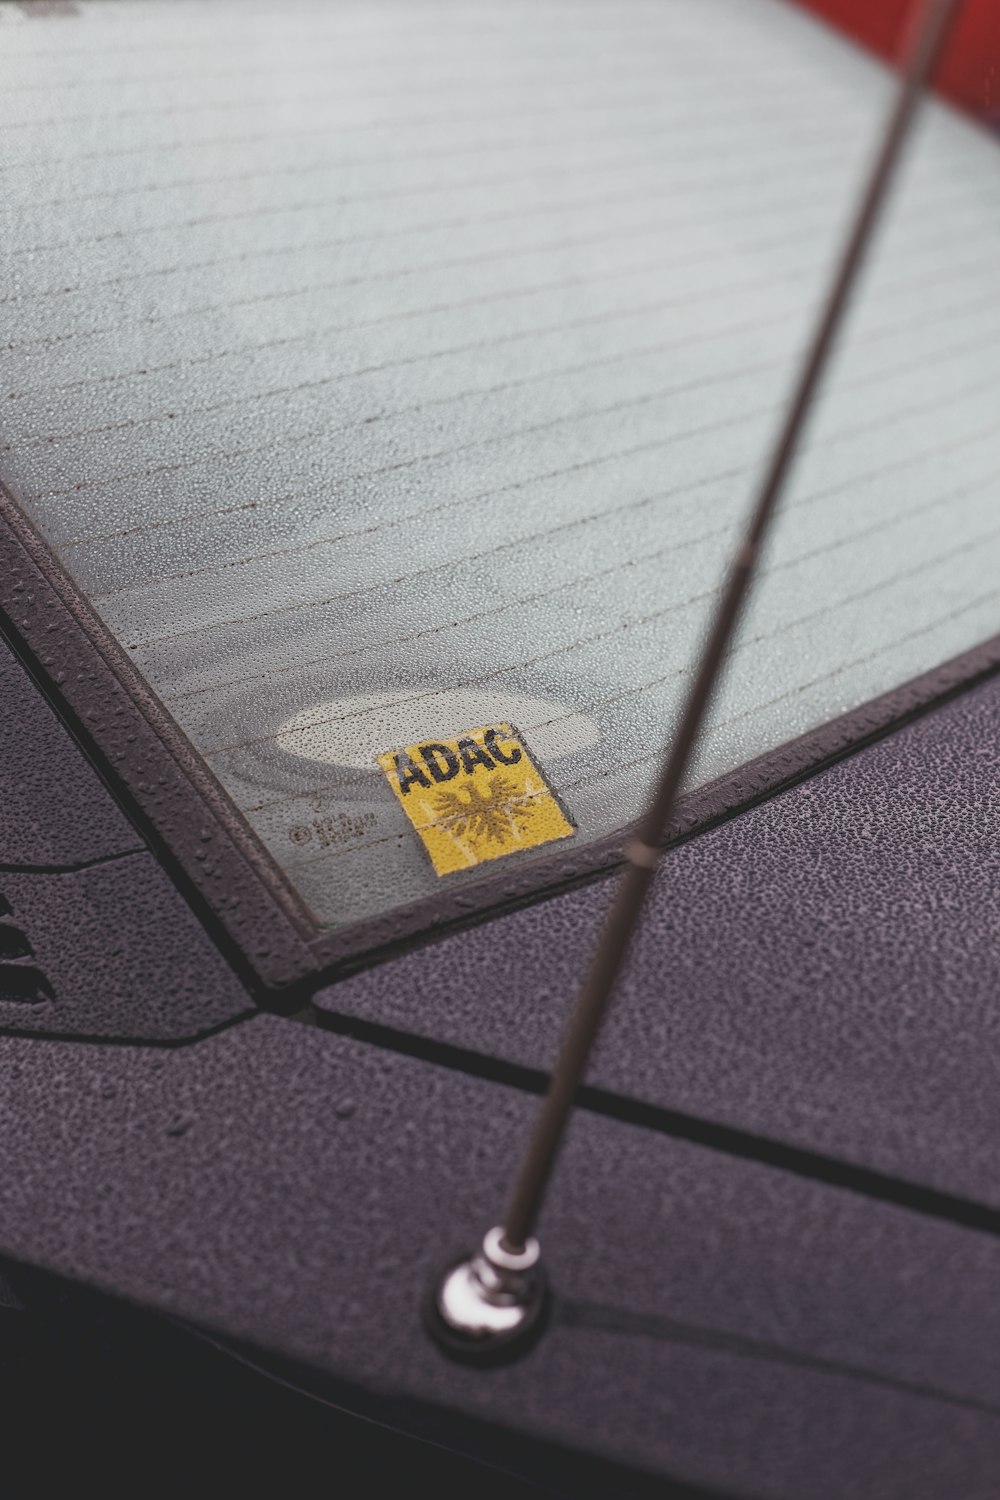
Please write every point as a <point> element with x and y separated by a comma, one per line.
<point>475,798</point>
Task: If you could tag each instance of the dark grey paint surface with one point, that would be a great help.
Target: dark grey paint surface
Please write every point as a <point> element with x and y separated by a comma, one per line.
<point>123,954</point>
<point>820,969</point>
<point>55,810</point>
<point>114,949</point>
<point>824,969</point>
<point>297,1189</point>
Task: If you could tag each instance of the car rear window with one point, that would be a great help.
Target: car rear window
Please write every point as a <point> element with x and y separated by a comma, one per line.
<point>391,379</point>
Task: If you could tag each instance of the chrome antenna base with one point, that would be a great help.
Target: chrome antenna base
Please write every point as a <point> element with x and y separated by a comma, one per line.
<point>490,1307</point>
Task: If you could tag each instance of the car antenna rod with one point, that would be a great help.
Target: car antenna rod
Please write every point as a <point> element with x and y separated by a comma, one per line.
<point>491,1305</point>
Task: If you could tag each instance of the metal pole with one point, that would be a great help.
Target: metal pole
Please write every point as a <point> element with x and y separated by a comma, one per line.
<point>514,1242</point>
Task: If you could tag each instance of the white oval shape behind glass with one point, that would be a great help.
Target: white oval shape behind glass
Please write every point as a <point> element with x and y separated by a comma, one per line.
<point>352,731</point>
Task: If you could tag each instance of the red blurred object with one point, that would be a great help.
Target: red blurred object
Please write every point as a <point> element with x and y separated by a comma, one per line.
<point>970,72</point>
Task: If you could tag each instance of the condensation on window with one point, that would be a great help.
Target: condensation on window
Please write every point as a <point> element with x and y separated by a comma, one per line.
<point>382,372</point>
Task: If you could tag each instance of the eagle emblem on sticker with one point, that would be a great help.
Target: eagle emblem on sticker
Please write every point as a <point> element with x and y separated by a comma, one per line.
<point>475,798</point>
